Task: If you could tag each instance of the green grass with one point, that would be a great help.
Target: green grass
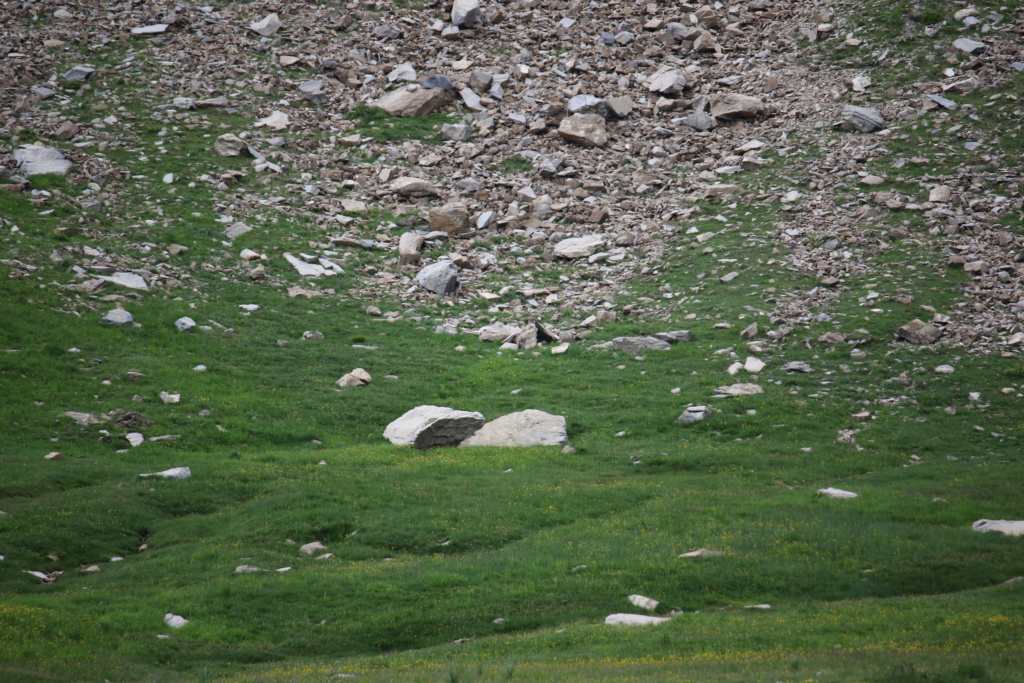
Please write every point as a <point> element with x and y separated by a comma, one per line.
<point>377,124</point>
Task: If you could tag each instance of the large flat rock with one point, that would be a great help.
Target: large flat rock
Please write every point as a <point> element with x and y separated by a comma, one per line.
<point>526,428</point>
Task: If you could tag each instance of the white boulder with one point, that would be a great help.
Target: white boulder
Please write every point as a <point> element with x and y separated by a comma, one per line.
<point>433,426</point>
<point>633,620</point>
<point>526,428</point>
<point>1002,526</point>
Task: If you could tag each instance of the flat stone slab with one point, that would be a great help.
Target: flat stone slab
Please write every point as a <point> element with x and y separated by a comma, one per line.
<point>634,620</point>
<point>526,428</point>
<point>37,160</point>
<point>837,494</point>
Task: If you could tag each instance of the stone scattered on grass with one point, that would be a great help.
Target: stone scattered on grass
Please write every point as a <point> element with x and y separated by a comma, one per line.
<point>702,553</point>
<point>643,602</point>
<point>428,426</point>
<point>173,473</point>
<point>526,428</point>
<point>174,620</point>
<point>1000,526</point>
<point>634,620</point>
<point>837,494</point>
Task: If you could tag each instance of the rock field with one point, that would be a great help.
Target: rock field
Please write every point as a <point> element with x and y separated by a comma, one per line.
<point>592,135</point>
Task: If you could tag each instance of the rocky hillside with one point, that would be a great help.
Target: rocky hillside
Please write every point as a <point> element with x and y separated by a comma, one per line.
<point>579,144</point>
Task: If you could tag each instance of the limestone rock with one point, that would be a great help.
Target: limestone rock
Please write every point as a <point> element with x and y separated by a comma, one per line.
<point>702,553</point>
<point>693,414</point>
<point>741,389</point>
<point>312,547</point>
<point>498,332</point>
<point>174,620</point>
<point>919,332</point>
<point>412,187</point>
<point>267,26</point>
<point>668,82</point>
<point>118,316</point>
<point>578,247</point>
<point>526,428</point>
<point>440,278</point>
<point>861,119</point>
<point>640,344</point>
<point>230,145</point>
<point>466,13</point>
<point>643,602</point>
<point>587,104</point>
<point>37,160</point>
<point>414,101</point>
<point>356,378</point>
<point>433,426</point>
<point>584,129</point>
<point>185,324</point>
<point>734,106</point>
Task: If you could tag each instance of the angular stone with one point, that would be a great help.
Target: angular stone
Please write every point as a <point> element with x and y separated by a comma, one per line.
<point>640,344</point>
<point>236,230</point>
<point>267,26</point>
<point>587,104</point>
<point>440,278</point>
<point>584,129</point>
<point>735,106</point>
<point>456,132</point>
<point>149,30</point>
<point>498,332</point>
<point>643,602</point>
<point>919,332</point>
<point>578,247</point>
<point>185,324</point>
<point>174,620</point>
<point>669,83</point>
<point>79,73</point>
<point>526,428</point>
<point>414,101</point>
<point>861,119</point>
<point>118,316</point>
<point>969,46</point>
<point>277,120</point>
<point>356,378</point>
<point>450,218</point>
<point>402,72</point>
<point>741,389</point>
<point>699,121</point>
<point>693,414</point>
<point>702,553</point>
<point>620,107</point>
<point>37,160</point>
<point>230,145</point>
<point>433,426</point>
<point>466,13</point>
<point>412,187</point>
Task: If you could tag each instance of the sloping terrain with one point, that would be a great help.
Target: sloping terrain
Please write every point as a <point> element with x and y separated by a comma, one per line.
<point>826,198</point>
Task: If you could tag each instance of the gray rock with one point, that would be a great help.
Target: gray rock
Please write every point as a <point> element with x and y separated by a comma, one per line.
<point>919,332</point>
<point>578,247</point>
<point>480,81</point>
<point>230,145</point>
<point>356,378</point>
<point>693,414</point>
<point>236,230</point>
<point>943,102</point>
<point>185,324</point>
<point>414,101</point>
<point>466,13</point>
<point>412,187</point>
<point>620,107</point>
<point>861,119</point>
<point>79,73</point>
<point>588,104</point>
<point>969,46</point>
<point>837,494</point>
<point>796,366</point>
<point>433,426</point>
<point>498,332</point>
<point>118,316</point>
<point>129,280</point>
<point>668,83</point>
<point>440,278</point>
<point>526,428</point>
<point>699,121</point>
<point>584,129</point>
<point>640,344</point>
<point>434,81</point>
<point>267,26</point>
<point>402,72</point>
<point>456,132</point>
<point>149,30</point>
<point>734,106</point>
<point>742,389</point>
<point>37,160</point>
<point>675,336</point>
<point>471,100</point>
